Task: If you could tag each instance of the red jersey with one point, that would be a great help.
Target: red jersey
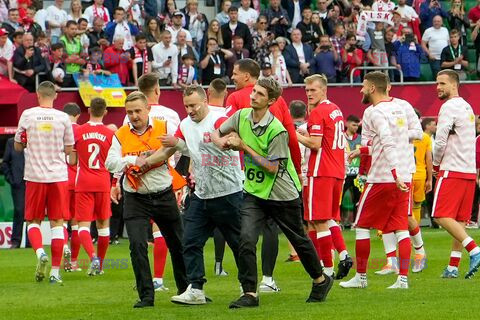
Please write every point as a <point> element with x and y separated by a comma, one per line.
<point>326,120</point>
<point>240,99</point>
<point>92,141</point>
<point>72,170</point>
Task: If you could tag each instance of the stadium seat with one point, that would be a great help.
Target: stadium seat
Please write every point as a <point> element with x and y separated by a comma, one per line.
<point>425,72</point>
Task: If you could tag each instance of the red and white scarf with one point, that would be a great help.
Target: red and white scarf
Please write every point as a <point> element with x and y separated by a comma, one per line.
<point>96,14</point>
<point>141,57</point>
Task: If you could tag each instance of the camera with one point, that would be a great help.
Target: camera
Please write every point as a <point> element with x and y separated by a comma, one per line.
<point>281,17</point>
<point>325,48</point>
<point>169,57</point>
<point>409,38</point>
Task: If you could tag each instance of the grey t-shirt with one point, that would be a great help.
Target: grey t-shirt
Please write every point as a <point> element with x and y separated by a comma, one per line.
<point>284,187</point>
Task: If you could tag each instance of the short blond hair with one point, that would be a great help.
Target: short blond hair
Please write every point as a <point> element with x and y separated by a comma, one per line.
<point>137,95</point>
<point>321,78</point>
<point>46,89</point>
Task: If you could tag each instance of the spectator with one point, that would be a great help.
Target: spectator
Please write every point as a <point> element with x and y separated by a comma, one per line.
<point>247,15</point>
<point>236,28</point>
<point>377,55</point>
<point>222,17</point>
<point>277,17</point>
<point>57,19</point>
<point>295,9</point>
<point>4,4</point>
<point>455,56</point>
<point>433,41</point>
<point>133,11</point>
<point>57,65</point>
<point>184,48</point>
<point>165,18</point>
<point>278,65</point>
<point>29,25</point>
<point>390,38</point>
<point>318,22</point>
<point>333,20</point>
<point>28,62</point>
<point>73,51</point>
<point>474,14</point>
<point>176,27</point>
<point>43,43</point>
<point>298,57</point>
<point>344,7</point>
<point>96,10</point>
<point>187,74</point>
<point>310,32</point>
<point>458,19</point>
<point>266,71</point>
<point>352,57</point>
<point>261,40</point>
<point>383,6</point>
<point>238,53</point>
<point>476,42</point>
<point>96,36</point>
<point>338,42</point>
<point>95,64</point>
<point>282,43</point>
<point>322,12</point>
<point>41,18</point>
<point>152,31</point>
<point>213,62</point>
<point>428,10</point>
<point>142,57</point>
<point>195,22</point>
<point>6,55</point>
<point>75,10</point>
<point>326,60</point>
<point>17,39</point>
<point>120,27</point>
<point>408,55</point>
<point>213,31</point>
<point>407,13</point>
<point>12,25</point>
<point>117,60</point>
<point>82,34</point>
<point>165,60</point>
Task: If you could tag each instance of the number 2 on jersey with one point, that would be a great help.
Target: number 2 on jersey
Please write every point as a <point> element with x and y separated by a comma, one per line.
<point>339,141</point>
<point>93,162</point>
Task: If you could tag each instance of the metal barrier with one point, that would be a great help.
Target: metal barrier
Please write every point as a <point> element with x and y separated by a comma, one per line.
<point>375,68</point>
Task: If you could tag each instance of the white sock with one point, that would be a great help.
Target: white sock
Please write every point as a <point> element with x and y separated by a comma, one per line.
<point>466,242</point>
<point>158,280</point>
<point>403,278</point>
<point>420,251</point>
<point>39,252</point>
<point>65,247</point>
<point>328,271</point>
<point>451,268</point>
<point>417,242</point>
<point>55,272</point>
<point>343,255</point>
<point>267,280</point>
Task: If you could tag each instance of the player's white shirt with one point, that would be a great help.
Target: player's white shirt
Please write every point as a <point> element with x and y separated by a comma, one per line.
<point>58,16</point>
<point>455,137</point>
<point>387,128</point>
<point>217,172</point>
<point>221,110</point>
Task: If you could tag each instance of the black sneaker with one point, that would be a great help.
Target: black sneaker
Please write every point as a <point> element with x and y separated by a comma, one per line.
<point>245,301</point>
<point>143,304</point>
<point>344,267</point>
<point>320,290</point>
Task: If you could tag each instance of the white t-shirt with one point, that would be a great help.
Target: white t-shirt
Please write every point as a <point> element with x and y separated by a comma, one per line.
<point>89,14</point>
<point>58,16</point>
<point>6,52</point>
<point>301,54</point>
<point>123,30</point>
<point>217,172</point>
<point>249,17</point>
<point>41,18</point>
<point>407,12</point>
<point>382,6</point>
<point>175,32</point>
<point>136,11</point>
<point>297,14</point>
<point>437,39</point>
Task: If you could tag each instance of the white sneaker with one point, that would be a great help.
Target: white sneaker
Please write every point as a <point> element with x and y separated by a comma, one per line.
<point>419,263</point>
<point>159,286</point>
<point>401,283</point>
<point>190,296</point>
<point>358,281</point>
<point>268,287</point>
<point>387,269</point>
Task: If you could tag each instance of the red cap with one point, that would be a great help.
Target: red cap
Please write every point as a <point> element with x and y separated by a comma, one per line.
<point>3,32</point>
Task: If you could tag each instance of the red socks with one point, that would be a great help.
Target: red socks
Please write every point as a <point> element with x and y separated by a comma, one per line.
<point>325,244</point>
<point>75,243</point>
<point>160,251</point>
<point>362,252</point>
<point>35,236</point>
<point>57,246</point>
<point>65,234</point>
<point>337,237</point>
<point>455,257</point>
<point>86,241</point>
<point>404,251</point>
<point>102,244</point>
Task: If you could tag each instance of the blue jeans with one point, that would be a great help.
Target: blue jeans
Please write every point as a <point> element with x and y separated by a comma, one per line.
<point>202,216</point>
<point>435,65</point>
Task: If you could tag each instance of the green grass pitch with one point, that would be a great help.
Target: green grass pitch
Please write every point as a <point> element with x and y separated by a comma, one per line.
<point>111,295</point>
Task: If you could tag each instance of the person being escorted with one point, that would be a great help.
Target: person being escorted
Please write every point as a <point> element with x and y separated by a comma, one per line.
<point>48,136</point>
<point>218,189</point>
<point>146,196</point>
<point>271,190</point>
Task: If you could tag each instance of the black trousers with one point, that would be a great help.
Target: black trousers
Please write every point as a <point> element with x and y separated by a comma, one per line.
<point>269,247</point>
<point>201,218</point>
<point>288,216</point>
<point>116,220</point>
<point>18,197</point>
<point>162,209</point>
<point>350,184</point>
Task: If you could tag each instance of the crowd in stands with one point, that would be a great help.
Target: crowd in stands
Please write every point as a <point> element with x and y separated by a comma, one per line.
<point>290,39</point>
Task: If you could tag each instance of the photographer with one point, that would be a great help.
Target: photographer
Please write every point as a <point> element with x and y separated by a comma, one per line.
<point>408,55</point>
<point>165,60</point>
<point>428,10</point>
<point>27,61</point>
<point>213,62</point>
<point>352,57</point>
<point>261,40</point>
<point>122,28</point>
<point>454,56</point>
<point>277,19</point>
<point>326,60</point>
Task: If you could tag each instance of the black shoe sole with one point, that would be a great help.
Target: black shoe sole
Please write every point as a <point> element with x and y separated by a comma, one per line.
<point>343,272</point>
<point>237,306</point>
<point>329,287</point>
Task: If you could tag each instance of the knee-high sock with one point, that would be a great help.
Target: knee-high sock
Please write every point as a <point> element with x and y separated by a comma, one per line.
<point>337,239</point>
<point>86,241</point>
<point>390,245</point>
<point>416,212</point>
<point>65,235</point>
<point>362,249</point>
<point>160,251</point>
<point>102,244</point>
<point>57,246</point>
<point>417,241</point>
<point>75,243</point>
<point>470,246</point>
<point>404,251</point>
<point>313,237</point>
<point>324,239</point>
<point>35,238</point>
